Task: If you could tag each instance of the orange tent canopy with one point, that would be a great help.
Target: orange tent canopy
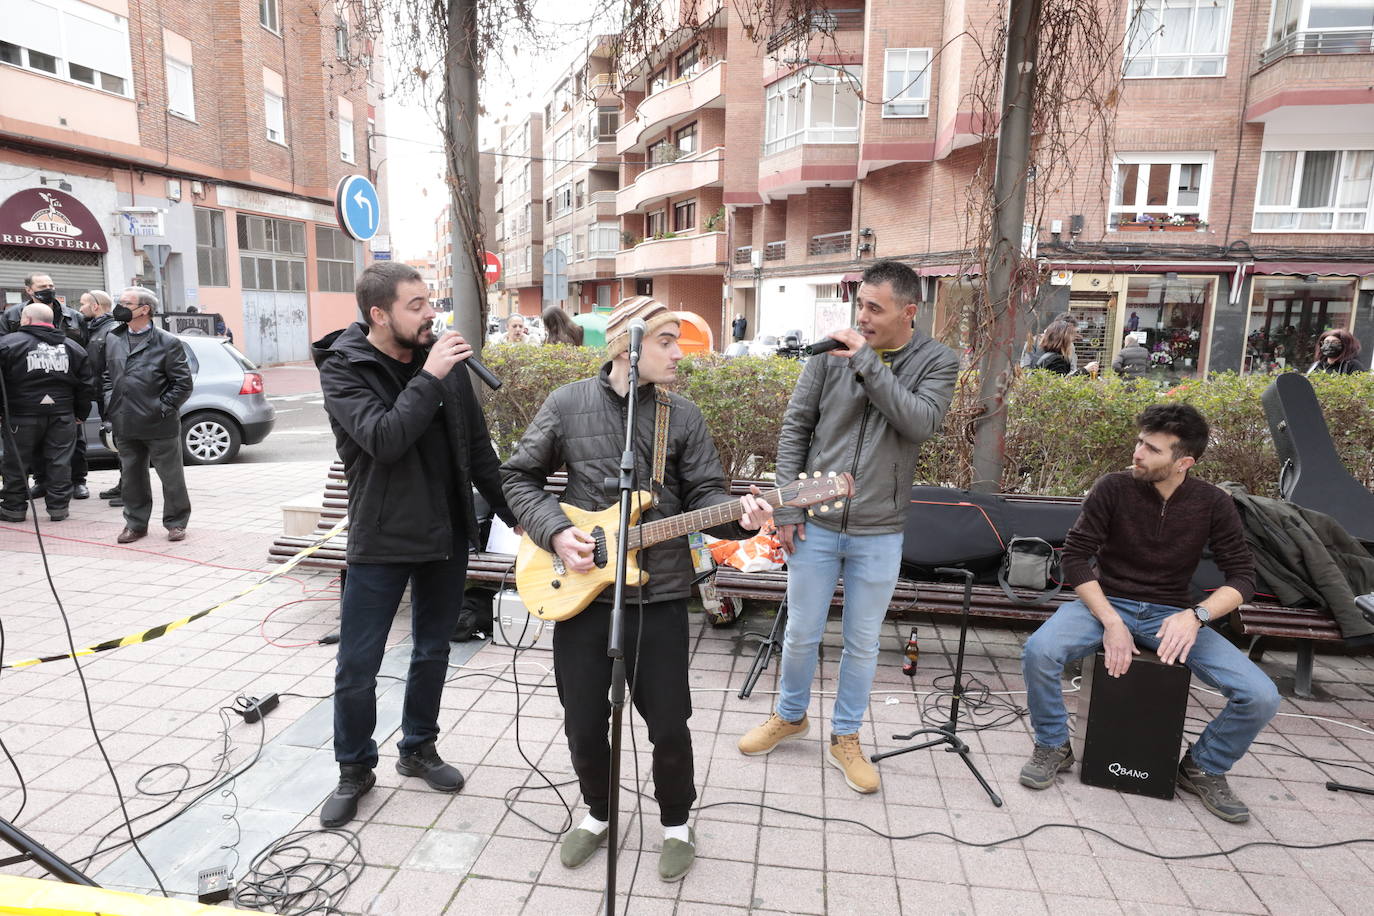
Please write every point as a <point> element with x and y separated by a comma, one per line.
<point>694,334</point>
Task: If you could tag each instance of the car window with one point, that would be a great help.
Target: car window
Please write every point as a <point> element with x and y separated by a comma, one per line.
<point>191,357</point>
<point>247,364</point>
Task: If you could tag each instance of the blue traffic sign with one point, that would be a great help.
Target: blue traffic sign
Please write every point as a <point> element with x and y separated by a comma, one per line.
<point>358,207</point>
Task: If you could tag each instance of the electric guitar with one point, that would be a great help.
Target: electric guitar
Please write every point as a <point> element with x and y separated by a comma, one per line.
<point>552,591</point>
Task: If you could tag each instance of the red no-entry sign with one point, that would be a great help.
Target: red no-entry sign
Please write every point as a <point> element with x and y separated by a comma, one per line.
<point>492,271</point>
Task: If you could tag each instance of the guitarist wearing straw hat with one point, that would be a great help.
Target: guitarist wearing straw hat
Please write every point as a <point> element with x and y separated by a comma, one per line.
<point>581,427</point>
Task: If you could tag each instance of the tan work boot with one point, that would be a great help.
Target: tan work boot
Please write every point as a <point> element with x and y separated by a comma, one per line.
<point>770,734</point>
<point>846,755</point>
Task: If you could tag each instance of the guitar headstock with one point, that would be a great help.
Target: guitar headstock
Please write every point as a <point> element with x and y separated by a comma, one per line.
<point>811,489</point>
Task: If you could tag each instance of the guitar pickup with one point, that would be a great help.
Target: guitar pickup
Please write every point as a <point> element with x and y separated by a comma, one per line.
<point>599,556</point>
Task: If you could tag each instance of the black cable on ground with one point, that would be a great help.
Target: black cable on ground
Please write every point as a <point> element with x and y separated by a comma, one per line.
<point>295,876</point>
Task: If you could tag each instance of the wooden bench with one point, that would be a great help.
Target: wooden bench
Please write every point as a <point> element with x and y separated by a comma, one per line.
<point>1257,622</point>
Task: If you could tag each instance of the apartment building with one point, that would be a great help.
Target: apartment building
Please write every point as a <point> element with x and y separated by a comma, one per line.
<point>214,133</point>
<point>441,250</point>
<point>518,217</point>
<point>1232,222</point>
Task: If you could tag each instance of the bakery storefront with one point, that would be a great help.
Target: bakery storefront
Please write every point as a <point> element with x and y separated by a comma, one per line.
<point>47,231</point>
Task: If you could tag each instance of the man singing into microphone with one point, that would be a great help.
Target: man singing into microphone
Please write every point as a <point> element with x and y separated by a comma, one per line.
<point>865,408</point>
<point>581,427</point>
<point>414,443</point>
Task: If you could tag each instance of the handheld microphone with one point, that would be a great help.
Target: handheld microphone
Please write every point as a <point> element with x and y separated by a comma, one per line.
<point>482,372</point>
<point>824,345</point>
<point>637,329</point>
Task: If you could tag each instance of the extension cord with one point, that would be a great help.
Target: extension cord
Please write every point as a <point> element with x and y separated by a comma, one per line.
<point>252,708</point>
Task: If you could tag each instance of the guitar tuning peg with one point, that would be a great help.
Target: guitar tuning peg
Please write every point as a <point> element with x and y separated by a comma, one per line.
<point>831,474</point>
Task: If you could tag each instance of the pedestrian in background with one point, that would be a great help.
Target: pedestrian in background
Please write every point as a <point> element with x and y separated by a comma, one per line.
<point>96,306</point>
<point>1338,353</point>
<point>559,328</point>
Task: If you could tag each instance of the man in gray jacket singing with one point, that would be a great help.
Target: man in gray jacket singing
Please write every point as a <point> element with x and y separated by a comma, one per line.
<point>864,408</point>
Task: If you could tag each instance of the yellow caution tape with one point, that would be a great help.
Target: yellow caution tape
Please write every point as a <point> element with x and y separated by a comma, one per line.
<point>37,897</point>
<point>164,629</point>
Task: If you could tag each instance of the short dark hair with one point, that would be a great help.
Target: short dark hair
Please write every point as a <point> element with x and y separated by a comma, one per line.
<point>1182,420</point>
<point>377,286</point>
<point>906,286</point>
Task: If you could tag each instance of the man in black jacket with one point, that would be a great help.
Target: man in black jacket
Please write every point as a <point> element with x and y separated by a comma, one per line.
<point>413,441</point>
<point>95,308</point>
<point>149,380</point>
<point>581,427</point>
<point>47,386</point>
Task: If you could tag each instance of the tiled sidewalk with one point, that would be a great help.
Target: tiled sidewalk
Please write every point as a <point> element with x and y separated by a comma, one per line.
<point>762,846</point>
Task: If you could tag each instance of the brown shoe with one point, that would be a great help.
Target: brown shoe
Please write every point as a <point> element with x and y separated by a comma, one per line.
<point>848,757</point>
<point>129,535</point>
<point>764,738</point>
<point>176,534</point>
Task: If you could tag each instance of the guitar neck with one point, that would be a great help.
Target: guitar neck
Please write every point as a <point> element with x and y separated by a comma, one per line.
<point>665,529</point>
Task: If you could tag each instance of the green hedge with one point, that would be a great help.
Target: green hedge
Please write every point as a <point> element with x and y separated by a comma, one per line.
<point>1062,433</point>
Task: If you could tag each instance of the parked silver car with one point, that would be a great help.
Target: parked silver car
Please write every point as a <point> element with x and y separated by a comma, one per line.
<point>227,407</point>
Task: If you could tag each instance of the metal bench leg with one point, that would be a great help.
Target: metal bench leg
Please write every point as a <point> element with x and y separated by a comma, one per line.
<point>1256,652</point>
<point>770,645</point>
<point>1302,673</point>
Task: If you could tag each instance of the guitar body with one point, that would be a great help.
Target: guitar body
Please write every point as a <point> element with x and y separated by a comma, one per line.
<point>550,590</point>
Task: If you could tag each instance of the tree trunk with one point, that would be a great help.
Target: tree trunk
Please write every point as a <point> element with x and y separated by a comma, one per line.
<point>460,128</point>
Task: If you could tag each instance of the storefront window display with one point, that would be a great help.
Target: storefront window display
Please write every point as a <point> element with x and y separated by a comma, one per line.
<point>1288,316</point>
<point>955,300</point>
<point>1176,315</point>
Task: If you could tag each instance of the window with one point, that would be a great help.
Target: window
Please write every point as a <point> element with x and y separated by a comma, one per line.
<point>274,112</point>
<point>529,258</point>
<point>658,82</point>
<point>562,150</point>
<point>562,200</point>
<point>579,247</point>
<point>73,41</point>
<point>1151,190</point>
<point>371,135</point>
<point>269,15</point>
<point>346,133</point>
<point>1315,191</point>
<point>580,195</point>
<point>272,253</point>
<point>1289,316</point>
<point>341,36</point>
<point>564,244</point>
<point>334,257</point>
<point>685,216</point>
<point>906,83</point>
<point>1319,27</point>
<point>1177,38</point>
<point>548,209</point>
<point>686,139</point>
<point>816,105</point>
<point>656,224</point>
<point>661,152</point>
<point>688,62</point>
<point>604,240</point>
<point>211,258</point>
<point>607,121</point>
<point>181,96</point>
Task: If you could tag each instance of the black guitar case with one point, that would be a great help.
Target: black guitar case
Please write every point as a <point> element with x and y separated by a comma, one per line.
<point>1311,473</point>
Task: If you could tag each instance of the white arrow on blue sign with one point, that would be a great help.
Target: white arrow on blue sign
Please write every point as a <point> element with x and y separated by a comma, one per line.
<point>358,207</point>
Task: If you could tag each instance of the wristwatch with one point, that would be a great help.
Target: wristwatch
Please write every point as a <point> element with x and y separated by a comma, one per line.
<point>1203,615</point>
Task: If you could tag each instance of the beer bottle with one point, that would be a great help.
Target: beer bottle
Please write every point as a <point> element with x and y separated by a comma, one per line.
<point>912,653</point>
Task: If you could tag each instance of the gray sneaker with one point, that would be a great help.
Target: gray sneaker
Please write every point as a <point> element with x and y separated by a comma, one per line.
<point>1044,765</point>
<point>1214,791</point>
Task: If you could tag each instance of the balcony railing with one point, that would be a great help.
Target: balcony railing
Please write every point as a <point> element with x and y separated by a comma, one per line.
<point>601,197</point>
<point>743,254</point>
<point>830,243</point>
<point>1345,41</point>
<point>775,251</point>
<point>819,21</point>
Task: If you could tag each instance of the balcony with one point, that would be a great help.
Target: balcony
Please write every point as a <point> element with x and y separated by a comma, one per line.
<point>744,254</point>
<point>809,165</point>
<point>687,254</point>
<point>1312,92</point>
<point>830,243</point>
<point>701,90</point>
<point>775,251</point>
<point>698,170</point>
<point>1337,41</point>
<point>604,203</point>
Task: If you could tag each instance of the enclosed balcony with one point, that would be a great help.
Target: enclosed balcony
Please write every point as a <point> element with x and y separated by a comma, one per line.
<point>688,173</point>
<point>685,254</point>
<point>703,89</point>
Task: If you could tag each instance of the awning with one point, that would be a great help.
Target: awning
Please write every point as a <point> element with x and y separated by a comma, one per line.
<point>852,278</point>
<point>1321,268</point>
<point>949,270</point>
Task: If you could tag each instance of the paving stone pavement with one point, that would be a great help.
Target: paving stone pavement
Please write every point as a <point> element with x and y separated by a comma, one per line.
<point>763,847</point>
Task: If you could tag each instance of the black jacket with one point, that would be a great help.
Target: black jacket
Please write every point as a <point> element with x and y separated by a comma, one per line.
<point>394,515</point>
<point>99,328</point>
<point>1343,367</point>
<point>149,378</point>
<point>581,427</point>
<point>68,320</point>
<point>46,374</point>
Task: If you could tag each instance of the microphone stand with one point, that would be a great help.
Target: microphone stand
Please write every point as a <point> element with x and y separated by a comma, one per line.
<point>615,647</point>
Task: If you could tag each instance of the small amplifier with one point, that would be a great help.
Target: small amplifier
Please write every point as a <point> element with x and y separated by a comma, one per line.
<point>1128,734</point>
<point>512,625</point>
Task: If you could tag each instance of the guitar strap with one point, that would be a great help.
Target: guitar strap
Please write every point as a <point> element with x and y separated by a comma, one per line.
<point>661,415</point>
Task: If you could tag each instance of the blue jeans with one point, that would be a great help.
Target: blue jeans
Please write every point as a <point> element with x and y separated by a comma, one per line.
<point>1073,632</point>
<point>869,564</point>
<point>372,594</point>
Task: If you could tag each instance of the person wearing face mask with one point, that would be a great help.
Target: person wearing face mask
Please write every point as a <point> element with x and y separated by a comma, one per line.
<point>1338,352</point>
<point>149,378</point>
<point>96,306</point>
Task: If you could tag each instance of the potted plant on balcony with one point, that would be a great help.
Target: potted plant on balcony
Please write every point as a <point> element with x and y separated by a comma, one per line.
<point>715,222</point>
<point>1143,222</point>
<point>1183,222</point>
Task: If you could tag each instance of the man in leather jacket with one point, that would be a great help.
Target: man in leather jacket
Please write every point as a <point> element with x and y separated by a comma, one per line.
<point>149,379</point>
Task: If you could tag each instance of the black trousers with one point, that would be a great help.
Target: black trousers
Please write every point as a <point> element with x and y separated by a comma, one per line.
<point>80,468</point>
<point>43,442</point>
<point>135,455</point>
<point>660,692</point>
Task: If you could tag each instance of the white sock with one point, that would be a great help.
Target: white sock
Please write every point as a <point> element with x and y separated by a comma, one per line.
<point>592,825</point>
<point>680,832</point>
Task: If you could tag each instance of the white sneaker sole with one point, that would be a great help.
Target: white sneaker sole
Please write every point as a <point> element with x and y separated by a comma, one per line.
<point>768,750</point>
<point>835,762</point>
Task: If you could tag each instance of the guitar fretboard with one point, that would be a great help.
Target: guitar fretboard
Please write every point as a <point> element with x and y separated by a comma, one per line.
<point>665,529</point>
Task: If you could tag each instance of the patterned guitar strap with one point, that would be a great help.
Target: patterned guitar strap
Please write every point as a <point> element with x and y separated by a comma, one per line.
<point>662,408</point>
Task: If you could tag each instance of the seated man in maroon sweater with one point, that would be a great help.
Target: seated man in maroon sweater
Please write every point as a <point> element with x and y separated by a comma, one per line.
<point>1147,528</point>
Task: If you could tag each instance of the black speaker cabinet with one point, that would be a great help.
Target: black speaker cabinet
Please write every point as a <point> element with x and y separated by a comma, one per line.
<point>1128,734</point>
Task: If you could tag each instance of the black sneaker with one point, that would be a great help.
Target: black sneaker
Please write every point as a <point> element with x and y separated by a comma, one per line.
<point>7,515</point>
<point>426,764</point>
<point>112,493</point>
<point>81,491</point>
<point>355,780</point>
<point>1214,791</point>
<point>1044,765</point>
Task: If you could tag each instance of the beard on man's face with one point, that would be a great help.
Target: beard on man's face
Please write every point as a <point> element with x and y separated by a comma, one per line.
<point>422,337</point>
<point>1145,475</point>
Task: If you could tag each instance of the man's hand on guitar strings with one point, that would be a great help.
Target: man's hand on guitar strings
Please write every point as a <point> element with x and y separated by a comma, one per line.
<point>756,511</point>
<point>575,546</point>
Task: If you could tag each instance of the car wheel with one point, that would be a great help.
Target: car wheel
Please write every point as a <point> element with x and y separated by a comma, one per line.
<point>209,438</point>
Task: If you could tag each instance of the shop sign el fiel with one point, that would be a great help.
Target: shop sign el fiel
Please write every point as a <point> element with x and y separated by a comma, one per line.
<point>49,218</point>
